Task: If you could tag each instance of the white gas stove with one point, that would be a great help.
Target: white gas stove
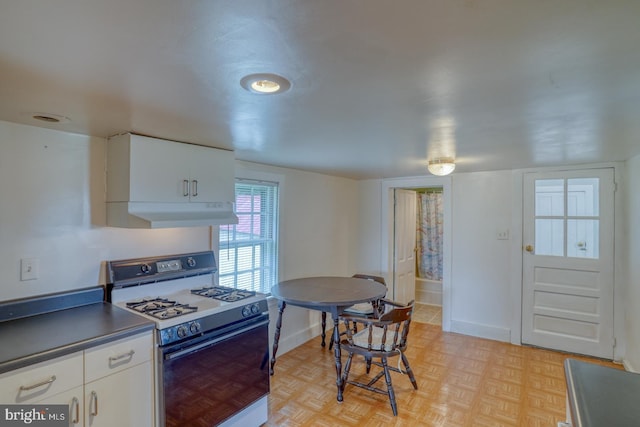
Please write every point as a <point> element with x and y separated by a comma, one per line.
<point>179,294</point>
<point>202,329</point>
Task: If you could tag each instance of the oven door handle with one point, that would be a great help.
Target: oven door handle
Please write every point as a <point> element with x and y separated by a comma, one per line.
<point>204,344</point>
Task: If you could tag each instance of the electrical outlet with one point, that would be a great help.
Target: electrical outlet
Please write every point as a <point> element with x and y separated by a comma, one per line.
<point>502,234</point>
<point>29,268</point>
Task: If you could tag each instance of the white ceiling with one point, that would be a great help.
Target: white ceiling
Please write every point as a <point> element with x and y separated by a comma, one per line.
<point>378,86</point>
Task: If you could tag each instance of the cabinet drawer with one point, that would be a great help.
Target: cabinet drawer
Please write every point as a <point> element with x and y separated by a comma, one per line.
<point>39,381</point>
<point>115,356</point>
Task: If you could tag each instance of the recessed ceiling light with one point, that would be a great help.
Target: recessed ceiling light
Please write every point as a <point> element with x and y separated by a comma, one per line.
<point>265,83</point>
<point>49,118</point>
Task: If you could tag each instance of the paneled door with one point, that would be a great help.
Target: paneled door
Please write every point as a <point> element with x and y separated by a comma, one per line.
<point>404,265</point>
<point>567,295</point>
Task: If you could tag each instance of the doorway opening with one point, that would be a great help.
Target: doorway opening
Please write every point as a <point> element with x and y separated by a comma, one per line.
<point>433,299</point>
<point>429,255</point>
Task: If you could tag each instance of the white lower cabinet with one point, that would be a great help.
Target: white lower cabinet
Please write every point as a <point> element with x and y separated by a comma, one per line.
<point>122,399</point>
<point>108,385</point>
<point>73,398</point>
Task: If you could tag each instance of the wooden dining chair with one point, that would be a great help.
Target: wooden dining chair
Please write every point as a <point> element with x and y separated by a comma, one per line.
<point>379,340</point>
<point>366,309</point>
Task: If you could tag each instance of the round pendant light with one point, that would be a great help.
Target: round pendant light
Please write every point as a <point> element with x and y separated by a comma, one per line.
<point>441,166</point>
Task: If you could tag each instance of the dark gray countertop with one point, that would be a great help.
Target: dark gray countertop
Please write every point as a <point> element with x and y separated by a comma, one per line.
<point>33,339</point>
<point>600,396</point>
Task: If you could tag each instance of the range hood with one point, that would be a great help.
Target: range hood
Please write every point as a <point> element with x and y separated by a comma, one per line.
<point>155,183</point>
<point>169,215</point>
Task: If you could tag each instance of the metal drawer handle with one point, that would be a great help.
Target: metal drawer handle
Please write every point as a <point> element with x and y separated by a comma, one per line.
<point>76,404</point>
<point>40,384</point>
<point>122,356</point>
<point>194,191</point>
<point>93,404</point>
<point>185,187</point>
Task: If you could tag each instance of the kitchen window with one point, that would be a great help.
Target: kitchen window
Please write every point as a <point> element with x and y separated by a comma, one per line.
<point>249,250</point>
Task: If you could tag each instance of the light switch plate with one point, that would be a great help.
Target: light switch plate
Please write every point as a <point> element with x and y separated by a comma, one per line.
<point>29,268</point>
<point>502,234</point>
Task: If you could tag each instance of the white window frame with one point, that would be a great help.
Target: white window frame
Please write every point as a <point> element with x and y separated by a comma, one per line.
<point>255,264</point>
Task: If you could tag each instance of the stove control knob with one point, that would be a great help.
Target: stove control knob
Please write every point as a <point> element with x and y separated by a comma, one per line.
<point>194,327</point>
<point>191,262</point>
<point>182,331</point>
<point>246,311</point>
<point>145,268</point>
<point>255,309</point>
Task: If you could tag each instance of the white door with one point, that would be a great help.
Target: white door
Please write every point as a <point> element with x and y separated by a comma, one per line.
<point>404,268</point>
<point>567,295</point>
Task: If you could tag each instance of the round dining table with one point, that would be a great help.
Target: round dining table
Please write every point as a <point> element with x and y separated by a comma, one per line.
<point>326,294</point>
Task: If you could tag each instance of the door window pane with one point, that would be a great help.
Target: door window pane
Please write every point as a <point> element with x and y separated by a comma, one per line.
<point>582,238</point>
<point>582,196</point>
<point>571,231</point>
<point>549,237</point>
<point>549,197</point>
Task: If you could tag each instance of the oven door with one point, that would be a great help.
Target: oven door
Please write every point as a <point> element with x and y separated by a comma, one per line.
<point>210,379</point>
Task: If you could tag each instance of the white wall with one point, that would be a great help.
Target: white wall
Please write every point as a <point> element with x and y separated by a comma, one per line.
<point>481,264</point>
<point>369,224</point>
<point>631,259</point>
<point>52,191</point>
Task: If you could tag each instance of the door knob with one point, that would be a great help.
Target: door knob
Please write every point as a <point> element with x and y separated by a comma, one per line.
<point>529,248</point>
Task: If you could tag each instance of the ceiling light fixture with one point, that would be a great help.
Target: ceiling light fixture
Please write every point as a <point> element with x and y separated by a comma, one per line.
<point>441,166</point>
<point>48,117</point>
<point>265,83</point>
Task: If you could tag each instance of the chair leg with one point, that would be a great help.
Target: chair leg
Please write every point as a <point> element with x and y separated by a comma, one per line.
<point>368,360</point>
<point>331,342</point>
<point>390,392</point>
<point>407,368</point>
<point>345,372</point>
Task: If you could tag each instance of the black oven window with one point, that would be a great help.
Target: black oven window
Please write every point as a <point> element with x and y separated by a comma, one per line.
<point>248,256</point>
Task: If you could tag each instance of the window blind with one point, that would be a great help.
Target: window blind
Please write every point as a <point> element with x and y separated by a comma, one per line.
<point>248,250</point>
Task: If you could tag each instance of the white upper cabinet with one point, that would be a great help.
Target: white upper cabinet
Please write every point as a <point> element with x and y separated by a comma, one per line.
<point>154,183</point>
<point>143,169</point>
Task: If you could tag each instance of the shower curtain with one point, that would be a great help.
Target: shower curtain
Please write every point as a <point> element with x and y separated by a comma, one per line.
<point>429,239</point>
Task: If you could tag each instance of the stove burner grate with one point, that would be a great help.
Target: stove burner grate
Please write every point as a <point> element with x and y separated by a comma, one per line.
<point>223,293</point>
<point>175,311</point>
<point>161,308</point>
<point>150,304</point>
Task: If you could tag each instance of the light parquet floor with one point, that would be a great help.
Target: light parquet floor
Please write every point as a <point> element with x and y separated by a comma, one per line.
<point>427,313</point>
<point>462,381</point>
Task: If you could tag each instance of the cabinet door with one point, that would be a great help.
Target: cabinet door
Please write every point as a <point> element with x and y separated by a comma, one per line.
<point>121,399</point>
<point>212,175</point>
<point>73,398</point>
<point>159,170</point>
